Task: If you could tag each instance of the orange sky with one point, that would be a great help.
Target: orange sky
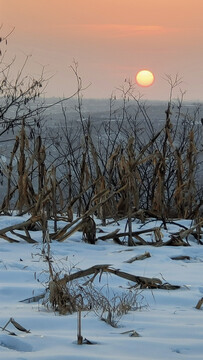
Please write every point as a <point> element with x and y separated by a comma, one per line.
<point>111,40</point>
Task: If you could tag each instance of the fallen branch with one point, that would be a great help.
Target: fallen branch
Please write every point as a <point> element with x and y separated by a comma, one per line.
<point>176,241</point>
<point>22,225</point>
<point>24,237</point>
<point>184,233</point>
<point>199,304</point>
<point>9,239</point>
<point>82,273</point>
<point>62,234</point>
<point>111,235</point>
<point>136,234</point>
<point>35,298</point>
<point>143,282</point>
<point>139,257</point>
<point>181,257</point>
<point>9,332</point>
<point>16,324</point>
<point>131,333</point>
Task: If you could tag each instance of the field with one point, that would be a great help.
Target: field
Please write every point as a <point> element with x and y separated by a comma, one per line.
<point>101,214</point>
<point>139,322</point>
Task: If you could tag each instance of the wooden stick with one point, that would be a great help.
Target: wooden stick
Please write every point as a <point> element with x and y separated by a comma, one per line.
<point>80,338</point>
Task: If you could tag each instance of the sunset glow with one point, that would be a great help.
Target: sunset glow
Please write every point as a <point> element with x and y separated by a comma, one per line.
<point>110,40</point>
<point>145,78</point>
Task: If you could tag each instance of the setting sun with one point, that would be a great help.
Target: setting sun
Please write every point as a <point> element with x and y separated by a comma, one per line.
<point>144,78</point>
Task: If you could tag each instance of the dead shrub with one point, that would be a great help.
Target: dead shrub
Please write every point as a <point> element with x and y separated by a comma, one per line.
<point>89,230</point>
<point>75,296</point>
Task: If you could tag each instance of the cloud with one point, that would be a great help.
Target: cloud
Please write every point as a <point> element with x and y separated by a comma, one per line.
<point>112,30</point>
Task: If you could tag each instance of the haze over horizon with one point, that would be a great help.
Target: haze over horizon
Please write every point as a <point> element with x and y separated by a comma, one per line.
<point>111,40</point>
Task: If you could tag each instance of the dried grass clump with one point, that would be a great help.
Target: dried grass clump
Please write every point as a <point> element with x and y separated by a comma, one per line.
<point>61,299</point>
<point>113,309</point>
<point>77,297</point>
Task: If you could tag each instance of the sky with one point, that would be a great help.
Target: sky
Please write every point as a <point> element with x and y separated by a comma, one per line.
<point>111,40</point>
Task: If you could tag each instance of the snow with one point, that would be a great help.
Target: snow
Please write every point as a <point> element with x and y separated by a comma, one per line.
<point>169,325</point>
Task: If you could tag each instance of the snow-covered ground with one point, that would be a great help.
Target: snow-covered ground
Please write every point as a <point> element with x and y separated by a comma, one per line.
<point>169,325</point>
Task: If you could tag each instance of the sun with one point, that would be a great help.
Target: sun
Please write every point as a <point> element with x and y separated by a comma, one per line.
<point>144,78</point>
